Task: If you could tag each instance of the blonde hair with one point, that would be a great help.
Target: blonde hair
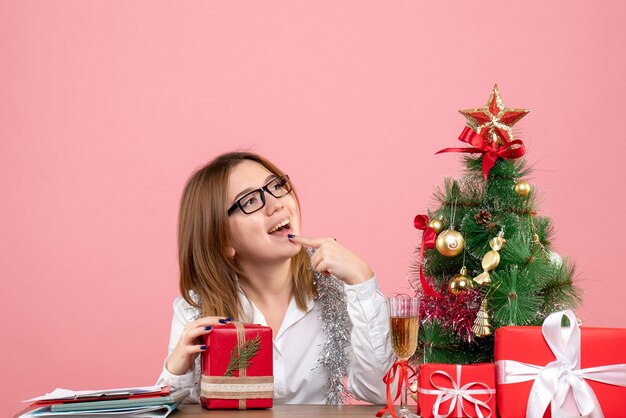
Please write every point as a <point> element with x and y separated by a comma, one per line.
<point>206,267</point>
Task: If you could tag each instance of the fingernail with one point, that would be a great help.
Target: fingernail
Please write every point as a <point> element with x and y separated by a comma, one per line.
<point>203,347</point>
<point>223,321</point>
<point>291,236</point>
<point>228,318</point>
<point>208,328</point>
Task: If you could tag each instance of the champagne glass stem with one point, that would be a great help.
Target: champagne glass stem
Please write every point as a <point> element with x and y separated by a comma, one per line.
<point>404,399</point>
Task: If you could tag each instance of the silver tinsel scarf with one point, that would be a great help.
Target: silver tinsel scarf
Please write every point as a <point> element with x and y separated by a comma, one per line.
<point>336,325</point>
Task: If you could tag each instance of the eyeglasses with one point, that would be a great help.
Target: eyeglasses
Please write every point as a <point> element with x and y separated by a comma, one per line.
<point>255,200</point>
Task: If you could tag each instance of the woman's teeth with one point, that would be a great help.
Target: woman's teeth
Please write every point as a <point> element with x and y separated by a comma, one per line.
<point>283,225</point>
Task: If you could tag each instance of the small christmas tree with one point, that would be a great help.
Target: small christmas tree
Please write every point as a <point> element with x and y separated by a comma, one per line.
<point>485,258</point>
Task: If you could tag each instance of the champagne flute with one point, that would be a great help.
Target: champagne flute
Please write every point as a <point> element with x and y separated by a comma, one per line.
<point>404,324</point>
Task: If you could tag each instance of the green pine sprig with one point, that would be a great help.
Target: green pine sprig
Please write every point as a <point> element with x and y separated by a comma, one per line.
<point>559,291</point>
<point>514,300</point>
<point>247,351</point>
<point>436,345</point>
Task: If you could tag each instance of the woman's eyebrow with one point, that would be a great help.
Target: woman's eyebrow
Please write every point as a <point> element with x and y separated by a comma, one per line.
<point>249,189</point>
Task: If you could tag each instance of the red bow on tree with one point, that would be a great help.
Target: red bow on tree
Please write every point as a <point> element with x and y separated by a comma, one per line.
<point>490,150</point>
<point>428,241</point>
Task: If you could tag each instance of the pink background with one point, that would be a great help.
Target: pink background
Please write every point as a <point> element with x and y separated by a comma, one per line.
<point>107,106</point>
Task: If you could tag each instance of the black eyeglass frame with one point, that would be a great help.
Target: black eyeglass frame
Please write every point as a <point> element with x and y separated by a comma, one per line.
<point>261,190</point>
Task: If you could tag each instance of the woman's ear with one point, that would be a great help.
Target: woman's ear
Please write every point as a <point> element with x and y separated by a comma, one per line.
<point>231,252</point>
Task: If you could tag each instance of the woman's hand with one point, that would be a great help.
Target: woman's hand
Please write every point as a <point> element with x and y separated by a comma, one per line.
<point>333,258</point>
<point>182,358</point>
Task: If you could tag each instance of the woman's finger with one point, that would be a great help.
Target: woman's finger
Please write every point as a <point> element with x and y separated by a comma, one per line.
<point>192,334</point>
<point>323,267</point>
<point>307,242</point>
<point>316,258</point>
<point>193,349</point>
<point>208,320</point>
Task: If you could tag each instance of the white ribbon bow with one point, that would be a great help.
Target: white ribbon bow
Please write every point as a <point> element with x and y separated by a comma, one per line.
<point>456,394</point>
<point>554,381</point>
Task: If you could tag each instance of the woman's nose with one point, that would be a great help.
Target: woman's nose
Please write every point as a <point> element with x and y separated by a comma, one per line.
<point>272,204</point>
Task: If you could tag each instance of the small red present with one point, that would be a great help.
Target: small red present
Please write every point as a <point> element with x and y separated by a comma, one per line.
<point>237,367</point>
<point>455,390</point>
<point>578,371</point>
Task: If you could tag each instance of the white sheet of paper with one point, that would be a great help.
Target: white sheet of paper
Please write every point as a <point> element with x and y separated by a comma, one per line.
<point>69,394</point>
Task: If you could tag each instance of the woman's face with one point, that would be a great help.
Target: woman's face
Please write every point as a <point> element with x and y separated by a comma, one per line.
<point>255,236</point>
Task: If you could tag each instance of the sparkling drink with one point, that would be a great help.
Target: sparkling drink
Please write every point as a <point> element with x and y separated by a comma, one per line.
<point>403,336</point>
<point>403,327</point>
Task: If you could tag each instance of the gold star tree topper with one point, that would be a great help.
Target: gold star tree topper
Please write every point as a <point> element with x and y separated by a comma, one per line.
<point>494,121</point>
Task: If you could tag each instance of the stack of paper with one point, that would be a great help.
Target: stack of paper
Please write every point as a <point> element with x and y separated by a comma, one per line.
<point>149,401</point>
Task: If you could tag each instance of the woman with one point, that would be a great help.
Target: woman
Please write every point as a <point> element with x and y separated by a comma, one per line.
<point>241,257</point>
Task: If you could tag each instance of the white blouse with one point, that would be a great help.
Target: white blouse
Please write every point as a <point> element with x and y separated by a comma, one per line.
<point>298,379</point>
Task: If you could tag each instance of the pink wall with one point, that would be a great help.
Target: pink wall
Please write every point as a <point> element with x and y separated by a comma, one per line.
<point>107,106</point>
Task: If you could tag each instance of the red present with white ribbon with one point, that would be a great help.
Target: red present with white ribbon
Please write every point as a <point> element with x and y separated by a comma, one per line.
<point>237,367</point>
<point>561,371</point>
<point>455,390</point>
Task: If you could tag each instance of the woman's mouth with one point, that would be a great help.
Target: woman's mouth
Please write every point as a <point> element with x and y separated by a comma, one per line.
<point>280,229</point>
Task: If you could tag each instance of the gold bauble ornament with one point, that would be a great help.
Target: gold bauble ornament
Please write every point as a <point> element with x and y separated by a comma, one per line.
<point>522,188</point>
<point>437,225</point>
<point>460,282</point>
<point>450,243</point>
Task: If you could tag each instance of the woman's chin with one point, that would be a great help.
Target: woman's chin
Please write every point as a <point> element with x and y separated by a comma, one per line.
<point>292,250</point>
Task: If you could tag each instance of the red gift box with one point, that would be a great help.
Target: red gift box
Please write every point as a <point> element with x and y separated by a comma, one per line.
<point>578,350</point>
<point>455,390</point>
<point>228,382</point>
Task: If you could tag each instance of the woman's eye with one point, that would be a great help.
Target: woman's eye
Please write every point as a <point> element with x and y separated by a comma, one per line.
<point>249,202</point>
<point>279,184</point>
